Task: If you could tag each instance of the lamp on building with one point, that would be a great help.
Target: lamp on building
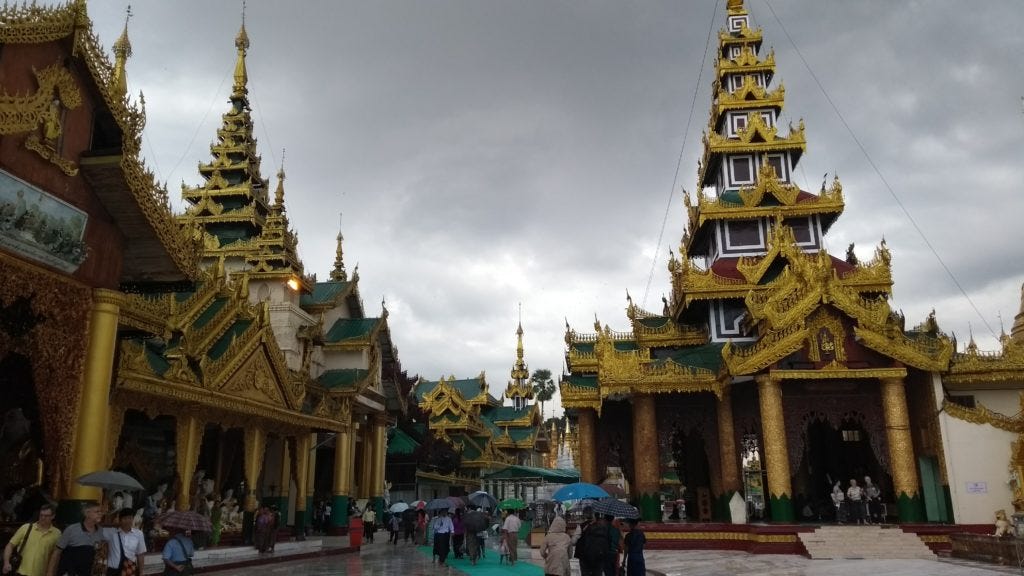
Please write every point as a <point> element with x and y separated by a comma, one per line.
<point>293,283</point>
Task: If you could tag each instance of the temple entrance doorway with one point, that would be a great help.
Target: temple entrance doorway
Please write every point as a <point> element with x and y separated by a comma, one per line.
<point>689,453</point>
<point>831,454</point>
<point>21,442</point>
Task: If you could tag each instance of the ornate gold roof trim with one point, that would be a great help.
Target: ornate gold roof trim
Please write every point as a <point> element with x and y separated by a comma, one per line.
<point>757,137</point>
<point>579,396</point>
<point>837,372</point>
<point>746,62</point>
<point>35,24</point>
<point>750,95</point>
<point>769,349</point>
<point>982,415</point>
<point>745,35</point>
<point>928,356</point>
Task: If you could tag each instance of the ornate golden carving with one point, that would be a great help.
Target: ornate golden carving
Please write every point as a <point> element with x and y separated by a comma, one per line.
<point>41,109</point>
<point>624,371</point>
<point>837,373</point>
<point>926,353</point>
<point>826,337</point>
<point>768,349</point>
<point>646,456</point>
<point>727,442</point>
<point>587,431</point>
<point>901,446</point>
<point>974,366</point>
<point>983,415</point>
<point>776,453</point>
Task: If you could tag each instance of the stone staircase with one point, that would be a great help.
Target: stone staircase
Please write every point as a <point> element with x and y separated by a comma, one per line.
<point>877,542</point>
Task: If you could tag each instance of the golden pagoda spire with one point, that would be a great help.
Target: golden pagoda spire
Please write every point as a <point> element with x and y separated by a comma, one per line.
<point>122,51</point>
<point>1017,330</point>
<point>735,7</point>
<point>279,192</point>
<point>241,76</point>
<point>339,274</point>
<point>519,385</point>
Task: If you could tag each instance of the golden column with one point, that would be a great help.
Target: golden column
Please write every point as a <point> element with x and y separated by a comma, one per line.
<point>188,439</point>
<point>646,460</point>
<point>285,480</point>
<point>255,440</point>
<point>776,453</point>
<point>727,444</point>
<point>342,489</point>
<point>309,480</point>
<point>380,449</point>
<point>587,421</point>
<point>90,444</point>
<point>901,450</point>
<point>300,447</point>
<point>366,460</point>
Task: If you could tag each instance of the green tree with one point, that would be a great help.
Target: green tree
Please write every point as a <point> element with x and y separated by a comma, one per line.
<point>543,387</point>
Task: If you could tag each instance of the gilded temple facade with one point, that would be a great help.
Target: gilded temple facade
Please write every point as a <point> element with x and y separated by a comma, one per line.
<point>190,350</point>
<point>488,435</point>
<point>775,369</point>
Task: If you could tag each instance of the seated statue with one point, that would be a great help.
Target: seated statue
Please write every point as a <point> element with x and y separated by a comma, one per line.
<point>1003,526</point>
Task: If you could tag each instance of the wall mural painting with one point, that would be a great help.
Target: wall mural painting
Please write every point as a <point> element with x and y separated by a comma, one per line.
<point>38,226</point>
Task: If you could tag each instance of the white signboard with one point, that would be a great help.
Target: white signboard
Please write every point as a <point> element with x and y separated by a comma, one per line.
<point>977,487</point>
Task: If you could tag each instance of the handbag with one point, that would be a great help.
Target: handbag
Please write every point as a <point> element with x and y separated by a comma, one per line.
<point>15,560</point>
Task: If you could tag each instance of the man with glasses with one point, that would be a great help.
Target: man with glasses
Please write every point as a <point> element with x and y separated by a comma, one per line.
<point>35,541</point>
<point>76,549</point>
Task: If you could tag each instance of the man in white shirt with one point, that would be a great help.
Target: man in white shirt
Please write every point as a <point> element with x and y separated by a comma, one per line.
<point>443,529</point>
<point>125,545</point>
<point>510,531</point>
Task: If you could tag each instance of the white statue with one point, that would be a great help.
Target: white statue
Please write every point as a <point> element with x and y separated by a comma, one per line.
<point>137,521</point>
<point>1003,526</point>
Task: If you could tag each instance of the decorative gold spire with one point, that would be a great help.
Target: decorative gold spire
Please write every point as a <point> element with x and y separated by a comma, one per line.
<point>736,7</point>
<point>122,51</point>
<point>1017,330</point>
<point>339,274</point>
<point>241,76</point>
<point>279,193</point>
<point>519,385</point>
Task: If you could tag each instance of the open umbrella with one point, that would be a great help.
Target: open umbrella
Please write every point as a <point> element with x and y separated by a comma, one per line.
<point>482,499</point>
<point>398,507</point>
<point>184,520</point>
<point>419,504</point>
<point>110,480</point>
<point>438,504</point>
<point>456,502</point>
<point>512,504</point>
<point>578,491</point>
<point>475,521</point>
<point>615,507</point>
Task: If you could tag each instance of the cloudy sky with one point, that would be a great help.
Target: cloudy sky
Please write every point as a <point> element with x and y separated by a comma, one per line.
<point>488,153</point>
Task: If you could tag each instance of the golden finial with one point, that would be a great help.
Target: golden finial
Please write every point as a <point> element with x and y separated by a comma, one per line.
<point>735,7</point>
<point>339,274</point>
<point>242,43</point>
<point>279,193</point>
<point>122,51</point>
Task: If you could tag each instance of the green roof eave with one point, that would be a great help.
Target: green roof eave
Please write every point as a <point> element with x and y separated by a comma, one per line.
<point>351,329</point>
<point>342,378</point>
<point>221,345</point>
<point>550,475</point>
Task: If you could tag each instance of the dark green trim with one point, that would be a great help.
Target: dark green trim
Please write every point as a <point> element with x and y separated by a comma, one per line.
<point>780,508</point>
<point>949,504</point>
<point>720,511</point>
<point>339,511</point>
<point>909,508</point>
<point>649,506</point>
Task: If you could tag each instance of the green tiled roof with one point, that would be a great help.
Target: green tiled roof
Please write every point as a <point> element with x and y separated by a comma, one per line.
<point>625,345</point>
<point>424,387</point>
<point>552,475</point>
<point>469,388</point>
<point>324,292</point>
<point>520,433</point>
<point>469,449</point>
<point>342,377</point>
<point>582,381</point>
<point>584,347</point>
<point>655,321</point>
<point>216,306</point>
<point>350,329</point>
<point>221,345</point>
<point>401,443</point>
<point>708,356</point>
<point>501,413</point>
<point>156,359</point>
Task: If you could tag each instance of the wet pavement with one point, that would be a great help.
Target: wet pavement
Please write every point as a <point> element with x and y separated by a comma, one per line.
<point>381,559</point>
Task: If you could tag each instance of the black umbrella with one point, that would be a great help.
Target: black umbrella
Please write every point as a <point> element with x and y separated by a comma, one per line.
<point>439,504</point>
<point>475,521</point>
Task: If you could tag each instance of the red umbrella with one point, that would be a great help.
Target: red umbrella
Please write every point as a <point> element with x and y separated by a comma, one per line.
<point>419,504</point>
<point>184,520</point>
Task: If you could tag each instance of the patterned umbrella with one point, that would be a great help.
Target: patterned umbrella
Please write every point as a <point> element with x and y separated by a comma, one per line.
<point>615,507</point>
<point>483,499</point>
<point>578,491</point>
<point>185,520</point>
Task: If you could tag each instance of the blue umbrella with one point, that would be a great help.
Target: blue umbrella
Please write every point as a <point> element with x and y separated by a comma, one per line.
<point>578,491</point>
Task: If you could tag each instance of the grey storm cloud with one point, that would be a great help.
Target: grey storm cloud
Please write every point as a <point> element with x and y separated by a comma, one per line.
<point>487,154</point>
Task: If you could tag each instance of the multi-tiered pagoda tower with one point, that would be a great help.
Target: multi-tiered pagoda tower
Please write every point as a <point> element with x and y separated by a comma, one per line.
<point>773,364</point>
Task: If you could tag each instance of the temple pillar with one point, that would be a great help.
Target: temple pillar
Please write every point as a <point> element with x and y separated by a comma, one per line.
<point>90,453</point>
<point>342,487</point>
<point>309,480</point>
<point>646,460</point>
<point>188,438</point>
<point>300,447</point>
<point>730,481</point>
<point>255,440</point>
<point>901,451</point>
<point>380,450</point>
<point>116,421</point>
<point>366,460</point>
<point>776,454</point>
<point>586,419</point>
<point>284,481</point>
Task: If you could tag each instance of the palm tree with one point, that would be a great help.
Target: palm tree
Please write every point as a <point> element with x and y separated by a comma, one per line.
<point>543,387</point>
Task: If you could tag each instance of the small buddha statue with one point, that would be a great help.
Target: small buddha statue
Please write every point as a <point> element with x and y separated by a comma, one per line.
<point>1003,526</point>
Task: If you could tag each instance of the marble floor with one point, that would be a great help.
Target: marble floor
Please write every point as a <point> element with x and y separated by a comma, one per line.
<point>383,560</point>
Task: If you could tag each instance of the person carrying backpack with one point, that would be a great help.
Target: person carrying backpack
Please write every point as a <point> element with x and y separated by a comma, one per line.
<point>592,548</point>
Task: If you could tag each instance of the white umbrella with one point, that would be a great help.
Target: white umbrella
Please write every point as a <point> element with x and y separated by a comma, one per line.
<point>398,507</point>
<point>110,480</point>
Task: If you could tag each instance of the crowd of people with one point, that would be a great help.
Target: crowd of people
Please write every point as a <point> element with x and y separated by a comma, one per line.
<point>858,504</point>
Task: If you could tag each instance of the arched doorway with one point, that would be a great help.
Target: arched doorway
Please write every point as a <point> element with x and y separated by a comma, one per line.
<point>833,453</point>
<point>689,452</point>
<point>21,442</point>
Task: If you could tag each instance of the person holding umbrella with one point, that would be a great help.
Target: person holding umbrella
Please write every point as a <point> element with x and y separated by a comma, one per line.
<point>178,553</point>
<point>443,529</point>
<point>126,545</point>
